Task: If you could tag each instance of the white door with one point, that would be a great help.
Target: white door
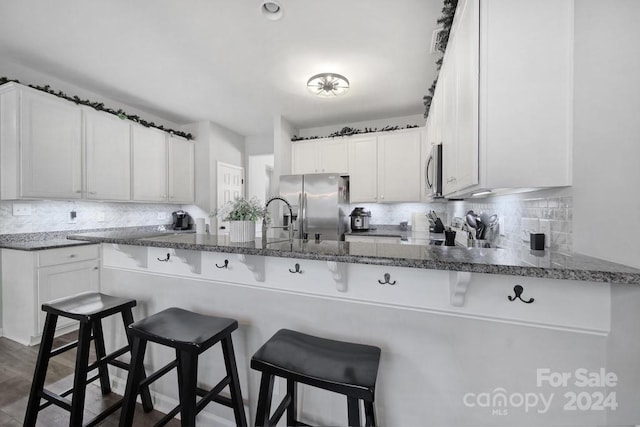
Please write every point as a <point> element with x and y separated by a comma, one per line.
<point>230,187</point>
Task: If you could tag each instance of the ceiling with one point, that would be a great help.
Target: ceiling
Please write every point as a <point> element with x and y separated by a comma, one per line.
<point>194,60</point>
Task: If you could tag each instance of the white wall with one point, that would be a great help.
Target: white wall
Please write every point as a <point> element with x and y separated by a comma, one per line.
<point>416,119</point>
<point>258,176</point>
<point>283,131</point>
<point>213,143</point>
<point>607,130</point>
<point>258,156</point>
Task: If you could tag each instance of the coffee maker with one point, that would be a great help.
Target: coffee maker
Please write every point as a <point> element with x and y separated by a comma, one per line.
<point>181,220</point>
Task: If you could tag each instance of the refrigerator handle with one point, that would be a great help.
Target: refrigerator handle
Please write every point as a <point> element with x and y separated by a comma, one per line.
<point>300,215</point>
<point>303,221</point>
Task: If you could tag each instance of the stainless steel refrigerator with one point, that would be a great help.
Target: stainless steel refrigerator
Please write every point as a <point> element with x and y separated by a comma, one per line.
<point>320,204</point>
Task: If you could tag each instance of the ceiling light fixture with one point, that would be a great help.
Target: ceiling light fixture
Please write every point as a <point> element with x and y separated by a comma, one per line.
<point>328,85</point>
<point>271,10</point>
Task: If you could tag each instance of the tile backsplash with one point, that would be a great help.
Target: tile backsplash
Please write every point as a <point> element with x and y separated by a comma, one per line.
<point>49,215</point>
<point>519,214</point>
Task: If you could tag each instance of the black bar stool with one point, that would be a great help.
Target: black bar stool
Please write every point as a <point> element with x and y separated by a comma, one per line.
<point>190,334</point>
<point>341,367</point>
<point>89,309</point>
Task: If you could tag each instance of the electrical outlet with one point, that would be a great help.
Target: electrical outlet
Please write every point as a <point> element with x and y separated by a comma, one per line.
<point>73,216</point>
<point>545,227</point>
<point>502,225</point>
<point>529,225</point>
<point>100,217</point>
<point>21,209</point>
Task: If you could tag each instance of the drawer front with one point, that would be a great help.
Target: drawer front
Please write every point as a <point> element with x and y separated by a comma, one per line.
<point>66,255</point>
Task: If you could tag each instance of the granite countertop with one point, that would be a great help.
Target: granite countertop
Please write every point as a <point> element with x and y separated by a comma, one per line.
<point>37,241</point>
<point>541,264</point>
<point>58,239</point>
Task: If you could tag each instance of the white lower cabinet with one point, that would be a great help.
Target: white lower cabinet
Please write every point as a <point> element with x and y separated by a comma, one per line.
<point>31,278</point>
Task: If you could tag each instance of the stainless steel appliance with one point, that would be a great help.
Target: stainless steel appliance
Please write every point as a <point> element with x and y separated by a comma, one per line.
<point>181,220</point>
<point>318,201</point>
<point>433,173</point>
<point>360,219</point>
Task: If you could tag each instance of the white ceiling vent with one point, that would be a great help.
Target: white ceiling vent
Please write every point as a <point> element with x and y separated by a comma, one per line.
<point>436,38</point>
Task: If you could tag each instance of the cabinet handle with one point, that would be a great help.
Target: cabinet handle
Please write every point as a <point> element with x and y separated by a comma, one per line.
<point>93,192</point>
<point>96,268</point>
<point>387,280</point>
<point>225,265</point>
<point>517,290</point>
<point>165,259</point>
<point>78,191</point>
<point>72,256</point>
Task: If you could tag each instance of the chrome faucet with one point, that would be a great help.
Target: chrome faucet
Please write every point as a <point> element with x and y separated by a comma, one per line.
<point>264,220</point>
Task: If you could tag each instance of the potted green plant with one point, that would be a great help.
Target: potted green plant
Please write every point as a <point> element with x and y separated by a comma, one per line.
<point>242,215</point>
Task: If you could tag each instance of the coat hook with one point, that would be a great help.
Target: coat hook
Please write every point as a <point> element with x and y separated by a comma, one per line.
<point>225,265</point>
<point>165,259</point>
<point>297,269</point>
<point>387,278</point>
<point>517,289</point>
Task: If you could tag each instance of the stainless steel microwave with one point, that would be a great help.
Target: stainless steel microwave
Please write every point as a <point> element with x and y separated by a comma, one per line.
<point>433,172</point>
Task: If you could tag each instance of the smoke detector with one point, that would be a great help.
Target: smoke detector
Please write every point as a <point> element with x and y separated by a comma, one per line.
<point>271,10</point>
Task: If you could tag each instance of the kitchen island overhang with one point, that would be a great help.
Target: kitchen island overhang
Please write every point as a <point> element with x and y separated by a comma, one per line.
<point>449,338</point>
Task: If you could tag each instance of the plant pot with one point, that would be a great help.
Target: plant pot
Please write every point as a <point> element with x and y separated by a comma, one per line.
<point>242,231</point>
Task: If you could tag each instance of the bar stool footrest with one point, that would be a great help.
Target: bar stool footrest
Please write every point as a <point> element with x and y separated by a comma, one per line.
<point>277,414</point>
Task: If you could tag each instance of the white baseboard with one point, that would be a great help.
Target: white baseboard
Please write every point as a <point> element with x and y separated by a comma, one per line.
<point>165,404</point>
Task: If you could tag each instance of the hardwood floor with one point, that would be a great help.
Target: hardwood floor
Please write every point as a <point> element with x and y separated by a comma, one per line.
<point>17,363</point>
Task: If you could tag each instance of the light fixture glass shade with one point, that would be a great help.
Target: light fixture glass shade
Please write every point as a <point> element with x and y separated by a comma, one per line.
<point>328,85</point>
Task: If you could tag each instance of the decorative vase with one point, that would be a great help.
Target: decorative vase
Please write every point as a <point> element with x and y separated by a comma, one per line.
<point>242,231</point>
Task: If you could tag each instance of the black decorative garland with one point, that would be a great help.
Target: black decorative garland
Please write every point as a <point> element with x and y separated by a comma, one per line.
<point>347,131</point>
<point>446,20</point>
<point>100,107</point>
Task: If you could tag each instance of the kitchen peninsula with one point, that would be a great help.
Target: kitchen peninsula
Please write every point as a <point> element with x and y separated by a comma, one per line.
<point>448,320</point>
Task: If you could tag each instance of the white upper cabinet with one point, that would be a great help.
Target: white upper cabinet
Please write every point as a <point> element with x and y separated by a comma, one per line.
<point>108,157</point>
<point>504,96</point>
<point>385,167</point>
<point>181,170</point>
<point>51,147</point>
<point>163,167</point>
<point>326,155</point>
<point>399,166</point>
<point>150,165</point>
<point>303,157</point>
<point>363,170</point>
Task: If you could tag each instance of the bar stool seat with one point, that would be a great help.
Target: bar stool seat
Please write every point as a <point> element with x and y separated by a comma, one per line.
<point>89,309</point>
<point>190,334</point>
<point>342,367</point>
